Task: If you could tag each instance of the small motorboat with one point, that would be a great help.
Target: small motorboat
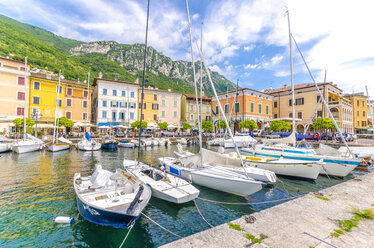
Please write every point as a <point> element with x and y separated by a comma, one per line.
<point>109,143</point>
<point>126,143</point>
<point>111,199</point>
<point>88,144</point>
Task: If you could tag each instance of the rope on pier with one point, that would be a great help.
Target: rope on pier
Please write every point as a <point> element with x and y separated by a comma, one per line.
<point>131,226</point>
<point>149,218</point>
<point>198,210</point>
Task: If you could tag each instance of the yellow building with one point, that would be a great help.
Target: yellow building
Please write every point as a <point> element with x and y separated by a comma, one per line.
<point>306,99</point>
<point>150,106</point>
<point>72,98</point>
<point>360,111</point>
<point>12,93</point>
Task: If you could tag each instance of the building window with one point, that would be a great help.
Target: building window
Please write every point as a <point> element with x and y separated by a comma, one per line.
<point>363,123</point>
<point>275,116</point>
<point>163,102</point>
<point>163,113</point>
<point>252,107</point>
<point>85,93</point>
<point>300,115</point>
<point>85,104</point>
<point>267,109</point>
<point>21,96</point>
<point>260,108</point>
<point>69,91</point>
<point>123,93</point>
<point>36,100</point>
<point>154,97</point>
<point>208,109</point>
<point>132,105</point>
<point>289,102</point>
<point>132,94</point>
<point>144,105</point>
<point>175,114</point>
<point>114,116</point>
<point>318,98</point>
<point>175,103</point>
<point>68,114</point>
<point>363,103</point>
<point>363,113</point>
<point>68,102</point>
<point>114,92</point>
<point>300,101</point>
<point>132,116</point>
<point>84,115</point>
<point>217,109</point>
<point>155,116</point>
<point>191,107</point>
<point>319,113</point>
<point>105,92</point>
<point>122,116</point>
<point>290,115</point>
<point>358,113</point>
<point>155,106</point>
<point>358,103</point>
<point>104,103</point>
<point>142,116</point>
<point>59,102</point>
<point>275,104</point>
<point>237,107</point>
<point>226,108</point>
<point>191,117</point>
<point>36,85</point>
<point>21,68</point>
<point>21,81</point>
<point>358,123</point>
<point>58,91</point>
<point>20,111</point>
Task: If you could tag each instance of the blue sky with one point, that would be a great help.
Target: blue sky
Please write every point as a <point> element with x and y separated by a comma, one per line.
<point>245,40</point>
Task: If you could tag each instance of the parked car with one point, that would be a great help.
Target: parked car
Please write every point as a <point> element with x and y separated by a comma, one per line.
<point>328,136</point>
<point>313,136</point>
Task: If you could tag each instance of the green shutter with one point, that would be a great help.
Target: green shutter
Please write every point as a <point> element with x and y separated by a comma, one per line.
<point>267,109</point>
<point>252,107</point>
<point>237,107</point>
<point>260,108</point>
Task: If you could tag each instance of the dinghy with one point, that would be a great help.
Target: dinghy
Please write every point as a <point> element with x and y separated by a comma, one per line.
<point>111,199</point>
<point>125,143</point>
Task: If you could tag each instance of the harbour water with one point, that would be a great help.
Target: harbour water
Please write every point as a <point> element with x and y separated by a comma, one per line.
<point>36,187</point>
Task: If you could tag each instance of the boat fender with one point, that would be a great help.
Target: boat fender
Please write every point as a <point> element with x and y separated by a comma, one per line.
<point>63,220</point>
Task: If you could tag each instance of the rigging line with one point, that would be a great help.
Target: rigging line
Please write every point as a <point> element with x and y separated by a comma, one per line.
<point>176,235</point>
<point>252,203</point>
<point>143,81</point>
<point>202,216</point>
<point>132,225</point>
<point>323,99</point>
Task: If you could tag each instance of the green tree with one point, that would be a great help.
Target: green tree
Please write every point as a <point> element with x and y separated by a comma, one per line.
<point>207,126</point>
<point>19,123</point>
<point>186,126</point>
<point>65,122</point>
<point>327,123</point>
<point>222,124</point>
<point>163,125</point>
<point>279,125</point>
<point>136,124</point>
<point>248,124</point>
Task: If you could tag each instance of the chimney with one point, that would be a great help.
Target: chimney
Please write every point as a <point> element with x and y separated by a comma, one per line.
<point>100,75</point>
<point>169,89</point>
<point>285,85</point>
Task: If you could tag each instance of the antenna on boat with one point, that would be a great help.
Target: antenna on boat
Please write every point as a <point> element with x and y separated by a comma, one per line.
<point>194,81</point>
<point>143,81</point>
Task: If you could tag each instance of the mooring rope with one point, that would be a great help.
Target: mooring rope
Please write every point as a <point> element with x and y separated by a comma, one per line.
<point>198,210</point>
<point>149,218</point>
<point>131,226</point>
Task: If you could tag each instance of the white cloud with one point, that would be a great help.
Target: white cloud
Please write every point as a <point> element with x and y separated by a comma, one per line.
<point>250,66</point>
<point>195,17</point>
<point>282,73</point>
<point>249,48</point>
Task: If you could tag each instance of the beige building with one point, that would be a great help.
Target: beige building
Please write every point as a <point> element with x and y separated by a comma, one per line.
<point>360,111</point>
<point>189,109</point>
<point>306,99</point>
<point>12,93</point>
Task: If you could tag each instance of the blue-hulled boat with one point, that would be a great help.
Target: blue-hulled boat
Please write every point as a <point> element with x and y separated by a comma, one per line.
<point>111,199</point>
<point>109,143</point>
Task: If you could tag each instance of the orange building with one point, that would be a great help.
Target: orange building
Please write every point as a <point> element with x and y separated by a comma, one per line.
<point>244,104</point>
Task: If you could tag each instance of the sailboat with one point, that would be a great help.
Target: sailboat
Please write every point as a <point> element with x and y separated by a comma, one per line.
<point>198,168</point>
<point>28,143</point>
<point>58,143</point>
<point>164,185</point>
<point>5,144</point>
<point>88,143</point>
<point>339,166</point>
<point>109,142</point>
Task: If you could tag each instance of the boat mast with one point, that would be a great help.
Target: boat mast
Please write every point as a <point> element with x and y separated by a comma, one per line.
<point>370,109</point>
<point>201,77</point>
<point>88,92</point>
<point>292,81</point>
<point>24,108</point>
<point>56,110</point>
<point>143,82</point>
<point>236,100</point>
<point>194,81</point>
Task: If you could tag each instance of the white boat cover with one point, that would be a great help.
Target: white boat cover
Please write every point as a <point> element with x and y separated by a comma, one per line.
<point>5,139</point>
<point>291,139</point>
<point>327,150</point>
<point>210,157</point>
<point>101,178</point>
<point>63,140</point>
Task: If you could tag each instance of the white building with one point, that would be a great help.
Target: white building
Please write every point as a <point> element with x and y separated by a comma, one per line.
<point>114,102</point>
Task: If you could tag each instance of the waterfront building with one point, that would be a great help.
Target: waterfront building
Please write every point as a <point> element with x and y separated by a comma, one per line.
<point>169,107</point>
<point>306,99</point>
<point>189,109</point>
<point>360,111</point>
<point>72,98</point>
<point>151,105</point>
<point>244,104</point>
<point>114,102</point>
<point>12,93</point>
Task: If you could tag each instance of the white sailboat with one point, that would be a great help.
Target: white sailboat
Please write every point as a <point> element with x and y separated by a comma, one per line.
<point>241,140</point>
<point>182,153</point>
<point>58,144</point>
<point>5,144</point>
<point>28,143</point>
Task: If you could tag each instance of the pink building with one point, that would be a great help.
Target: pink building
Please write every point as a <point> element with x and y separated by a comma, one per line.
<point>169,107</point>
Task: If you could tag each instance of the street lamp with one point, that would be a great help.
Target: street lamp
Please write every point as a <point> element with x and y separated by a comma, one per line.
<point>36,116</point>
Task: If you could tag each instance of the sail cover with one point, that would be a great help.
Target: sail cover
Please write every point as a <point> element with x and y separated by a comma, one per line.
<point>63,140</point>
<point>88,137</point>
<point>212,158</point>
<point>291,139</point>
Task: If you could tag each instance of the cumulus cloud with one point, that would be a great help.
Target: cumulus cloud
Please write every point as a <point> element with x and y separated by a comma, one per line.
<point>249,48</point>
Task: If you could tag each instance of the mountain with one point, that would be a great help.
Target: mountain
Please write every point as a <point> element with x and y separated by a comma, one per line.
<point>114,60</point>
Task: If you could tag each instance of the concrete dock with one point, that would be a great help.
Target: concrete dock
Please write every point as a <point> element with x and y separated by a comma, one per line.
<point>292,224</point>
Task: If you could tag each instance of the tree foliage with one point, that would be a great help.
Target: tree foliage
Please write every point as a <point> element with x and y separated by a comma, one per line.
<point>248,124</point>
<point>186,126</point>
<point>279,125</point>
<point>327,123</point>
<point>163,125</point>
<point>136,124</point>
<point>222,124</point>
<point>207,126</point>
<point>64,122</point>
<point>19,122</point>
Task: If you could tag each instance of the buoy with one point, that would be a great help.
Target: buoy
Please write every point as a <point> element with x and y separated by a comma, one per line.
<point>63,219</point>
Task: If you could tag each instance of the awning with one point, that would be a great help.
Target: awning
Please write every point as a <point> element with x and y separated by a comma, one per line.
<point>78,124</point>
<point>113,124</point>
<point>42,125</point>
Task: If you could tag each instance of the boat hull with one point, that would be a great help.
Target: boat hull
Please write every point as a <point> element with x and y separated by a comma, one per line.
<point>27,148</point>
<point>92,147</point>
<point>58,147</point>
<point>4,147</point>
<point>127,144</point>
<point>111,145</point>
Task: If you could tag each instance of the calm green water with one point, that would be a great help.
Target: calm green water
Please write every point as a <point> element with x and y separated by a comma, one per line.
<point>36,187</point>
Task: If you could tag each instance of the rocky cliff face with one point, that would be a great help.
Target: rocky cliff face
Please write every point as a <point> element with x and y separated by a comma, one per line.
<point>131,58</point>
